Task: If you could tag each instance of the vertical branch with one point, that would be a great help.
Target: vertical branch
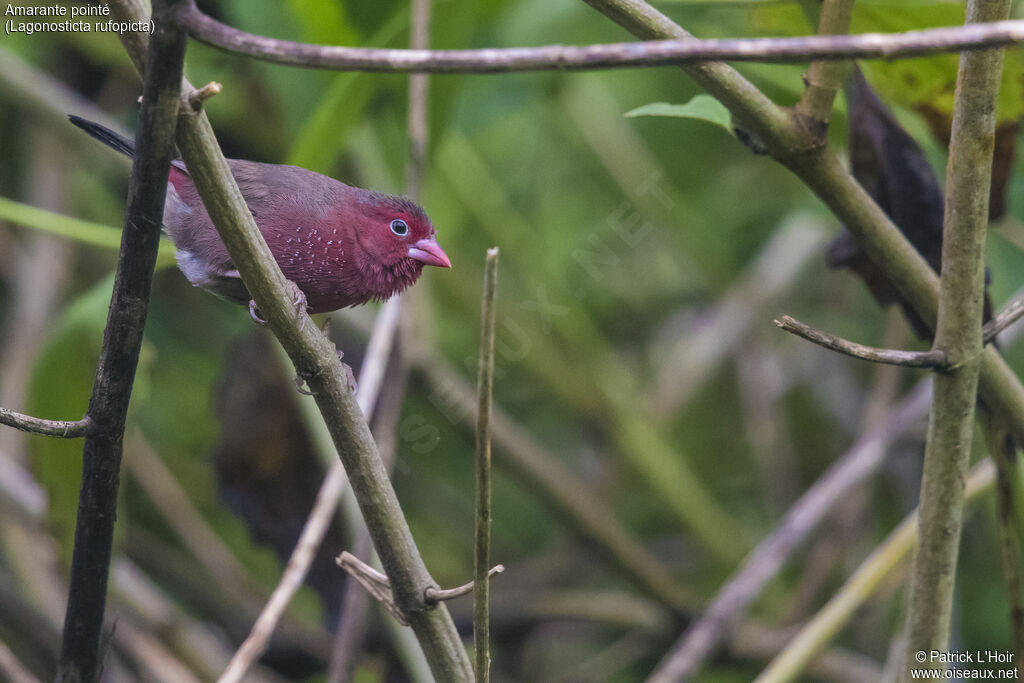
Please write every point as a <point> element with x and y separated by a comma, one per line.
<point>418,115</point>
<point>482,531</point>
<point>958,334</point>
<point>824,78</point>
<point>115,373</point>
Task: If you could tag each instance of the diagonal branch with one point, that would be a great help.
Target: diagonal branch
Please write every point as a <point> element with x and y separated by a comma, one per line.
<point>614,55</point>
<point>909,359</point>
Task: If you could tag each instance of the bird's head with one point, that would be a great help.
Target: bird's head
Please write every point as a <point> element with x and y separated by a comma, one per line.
<point>397,239</point>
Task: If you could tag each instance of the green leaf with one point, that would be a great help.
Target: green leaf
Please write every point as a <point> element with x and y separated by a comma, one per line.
<point>86,232</point>
<point>702,107</point>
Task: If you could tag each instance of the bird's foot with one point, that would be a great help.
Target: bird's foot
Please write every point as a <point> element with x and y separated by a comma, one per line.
<point>254,313</point>
<point>301,378</point>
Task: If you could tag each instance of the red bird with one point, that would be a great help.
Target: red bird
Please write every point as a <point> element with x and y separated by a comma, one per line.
<point>341,245</point>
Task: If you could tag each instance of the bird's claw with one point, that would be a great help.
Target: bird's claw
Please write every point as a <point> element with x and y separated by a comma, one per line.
<point>349,374</point>
<point>300,385</point>
<point>300,303</point>
<point>301,378</point>
<point>254,314</point>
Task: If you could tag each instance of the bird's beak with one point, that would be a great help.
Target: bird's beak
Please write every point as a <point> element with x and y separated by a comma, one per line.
<point>430,252</point>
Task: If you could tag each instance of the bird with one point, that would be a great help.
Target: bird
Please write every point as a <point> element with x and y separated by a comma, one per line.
<point>340,245</point>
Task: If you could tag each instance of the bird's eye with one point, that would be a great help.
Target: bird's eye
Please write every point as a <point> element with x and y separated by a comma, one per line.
<point>399,227</point>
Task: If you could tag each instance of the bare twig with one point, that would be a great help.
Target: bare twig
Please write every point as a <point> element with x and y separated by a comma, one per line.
<point>197,97</point>
<point>764,562</point>
<point>376,583</point>
<point>439,594</point>
<point>824,79</point>
<point>115,372</point>
<point>950,431</point>
<point>550,57</point>
<point>482,531</point>
<point>934,359</point>
<point>1006,317</point>
<point>60,428</point>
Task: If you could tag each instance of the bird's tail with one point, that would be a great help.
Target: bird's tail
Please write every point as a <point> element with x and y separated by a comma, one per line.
<point>104,135</point>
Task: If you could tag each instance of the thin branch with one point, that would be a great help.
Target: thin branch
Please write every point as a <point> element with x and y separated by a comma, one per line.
<point>950,431</point>
<point>702,638</point>
<point>825,78</point>
<point>439,594</point>
<point>934,359</point>
<point>482,531</point>
<point>1008,316</point>
<point>197,97</point>
<point>376,583</point>
<point>418,123</point>
<point>35,425</point>
<point>115,373</point>
<point>614,55</point>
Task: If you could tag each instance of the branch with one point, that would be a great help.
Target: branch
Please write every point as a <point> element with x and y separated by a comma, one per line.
<point>115,373</point>
<point>1006,317</point>
<point>934,358</point>
<point>439,594</point>
<point>614,55</point>
<point>35,425</point>
<point>482,532</point>
<point>824,78</point>
<point>377,584</point>
<point>950,431</point>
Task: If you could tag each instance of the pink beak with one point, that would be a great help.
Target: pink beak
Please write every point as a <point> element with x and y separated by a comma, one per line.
<point>430,252</point>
